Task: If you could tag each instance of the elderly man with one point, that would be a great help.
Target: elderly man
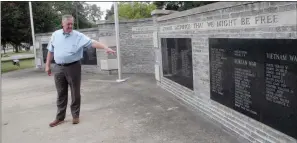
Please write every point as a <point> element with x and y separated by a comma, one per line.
<point>66,47</point>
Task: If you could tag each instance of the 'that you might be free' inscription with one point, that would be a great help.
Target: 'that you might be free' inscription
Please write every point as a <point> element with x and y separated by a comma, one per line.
<point>284,18</point>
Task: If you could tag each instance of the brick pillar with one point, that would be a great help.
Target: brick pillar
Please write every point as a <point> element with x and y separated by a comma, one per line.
<point>157,44</point>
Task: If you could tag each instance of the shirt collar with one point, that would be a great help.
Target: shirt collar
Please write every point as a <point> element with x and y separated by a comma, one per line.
<point>67,34</point>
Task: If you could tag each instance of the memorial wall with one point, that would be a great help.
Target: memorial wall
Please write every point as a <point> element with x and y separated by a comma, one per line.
<point>234,62</point>
<point>135,43</point>
<point>257,77</point>
<point>136,46</point>
<point>44,53</point>
<point>42,39</point>
<point>89,56</point>
<point>244,65</point>
<point>177,60</point>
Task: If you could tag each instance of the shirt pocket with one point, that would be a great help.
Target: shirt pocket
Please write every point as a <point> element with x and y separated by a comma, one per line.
<point>73,48</point>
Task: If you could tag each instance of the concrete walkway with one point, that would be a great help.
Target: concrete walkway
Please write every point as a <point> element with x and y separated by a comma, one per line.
<point>136,111</point>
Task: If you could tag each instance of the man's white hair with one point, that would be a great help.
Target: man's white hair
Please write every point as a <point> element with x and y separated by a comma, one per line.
<point>67,16</point>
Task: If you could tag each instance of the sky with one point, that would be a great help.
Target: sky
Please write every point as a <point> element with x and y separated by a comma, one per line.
<point>103,6</point>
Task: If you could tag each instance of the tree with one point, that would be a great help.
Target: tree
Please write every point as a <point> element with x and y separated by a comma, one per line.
<point>81,11</point>
<point>94,13</point>
<point>15,21</point>
<point>44,17</point>
<point>15,24</point>
<point>132,10</point>
<point>109,13</point>
<point>180,5</point>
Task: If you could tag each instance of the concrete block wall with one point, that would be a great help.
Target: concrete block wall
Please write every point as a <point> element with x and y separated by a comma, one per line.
<point>197,24</point>
<point>40,39</point>
<point>136,44</point>
<point>43,38</point>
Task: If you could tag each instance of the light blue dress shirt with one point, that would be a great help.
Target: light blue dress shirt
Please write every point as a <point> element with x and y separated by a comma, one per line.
<point>68,47</point>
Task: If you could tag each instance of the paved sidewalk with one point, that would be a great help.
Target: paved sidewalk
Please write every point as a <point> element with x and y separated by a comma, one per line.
<point>136,111</point>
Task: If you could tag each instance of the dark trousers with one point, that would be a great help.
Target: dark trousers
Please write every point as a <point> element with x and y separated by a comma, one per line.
<point>68,76</point>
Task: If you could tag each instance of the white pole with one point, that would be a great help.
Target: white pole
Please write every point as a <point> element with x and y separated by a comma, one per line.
<point>33,35</point>
<point>1,84</point>
<point>116,23</point>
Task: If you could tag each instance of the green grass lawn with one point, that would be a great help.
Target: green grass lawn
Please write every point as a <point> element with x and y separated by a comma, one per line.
<point>7,66</point>
<point>8,54</point>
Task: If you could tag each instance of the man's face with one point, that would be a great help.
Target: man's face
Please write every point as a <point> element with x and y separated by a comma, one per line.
<point>67,25</point>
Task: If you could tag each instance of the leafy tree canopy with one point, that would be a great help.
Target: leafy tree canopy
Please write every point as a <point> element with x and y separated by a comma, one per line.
<point>15,18</point>
<point>131,10</point>
<point>180,5</point>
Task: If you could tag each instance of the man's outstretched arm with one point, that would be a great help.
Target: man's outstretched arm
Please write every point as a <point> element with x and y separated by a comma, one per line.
<point>87,42</point>
<point>98,45</point>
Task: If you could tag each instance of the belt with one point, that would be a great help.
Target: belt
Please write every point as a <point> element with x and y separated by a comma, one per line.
<point>67,64</point>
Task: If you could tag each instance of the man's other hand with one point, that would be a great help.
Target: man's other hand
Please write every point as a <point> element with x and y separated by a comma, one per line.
<point>48,70</point>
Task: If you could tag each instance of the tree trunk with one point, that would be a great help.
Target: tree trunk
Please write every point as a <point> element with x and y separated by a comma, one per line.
<point>4,48</point>
<point>20,48</point>
<point>16,48</point>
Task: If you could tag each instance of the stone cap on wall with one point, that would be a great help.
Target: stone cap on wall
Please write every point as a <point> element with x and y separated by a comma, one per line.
<point>159,12</point>
<point>102,22</point>
<point>80,30</point>
<point>43,34</point>
<point>202,9</point>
